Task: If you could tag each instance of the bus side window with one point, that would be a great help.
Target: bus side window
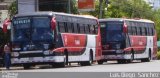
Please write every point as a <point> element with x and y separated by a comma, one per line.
<point>78,28</point>
<point>72,26</point>
<point>132,30</point>
<point>92,29</point>
<point>96,29</point>
<point>69,27</point>
<point>140,30</point>
<point>129,30</point>
<point>65,26</point>
<point>143,30</point>
<point>153,31</point>
<point>61,27</point>
<point>150,31</point>
<point>75,28</point>
<point>81,29</point>
<point>84,28</point>
<point>136,30</point>
<point>87,29</point>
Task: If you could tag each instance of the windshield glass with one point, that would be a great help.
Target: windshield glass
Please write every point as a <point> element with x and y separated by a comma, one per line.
<point>41,29</point>
<point>114,31</point>
<point>21,30</point>
<point>32,29</point>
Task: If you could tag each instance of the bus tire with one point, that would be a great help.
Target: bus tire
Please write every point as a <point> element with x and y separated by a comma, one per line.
<point>147,59</point>
<point>149,56</point>
<point>100,62</point>
<point>66,55</point>
<point>58,65</point>
<point>88,63</point>
<point>122,61</point>
<point>132,57</point>
<point>26,66</point>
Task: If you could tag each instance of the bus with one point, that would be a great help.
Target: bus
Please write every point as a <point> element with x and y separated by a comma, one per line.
<point>125,40</point>
<point>54,38</point>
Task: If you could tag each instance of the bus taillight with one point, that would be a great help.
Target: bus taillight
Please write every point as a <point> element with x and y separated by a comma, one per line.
<point>53,23</point>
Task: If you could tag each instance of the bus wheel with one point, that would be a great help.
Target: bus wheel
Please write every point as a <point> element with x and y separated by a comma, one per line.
<point>122,61</point>
<point>58,65</point>
<point>26,66</point>
<point>132,57</point>
<point>66,55</point>
<point>147,59</point>
<point>88,63</point>
<point>100,62</point>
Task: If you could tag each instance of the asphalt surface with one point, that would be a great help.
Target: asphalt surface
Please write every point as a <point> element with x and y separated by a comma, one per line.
<point>111,66</point>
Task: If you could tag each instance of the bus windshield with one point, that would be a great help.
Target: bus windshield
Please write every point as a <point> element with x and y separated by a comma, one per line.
<point>32,29</point>
<point>114,31</point>
<point>21,28</point>
<point>41,29</point>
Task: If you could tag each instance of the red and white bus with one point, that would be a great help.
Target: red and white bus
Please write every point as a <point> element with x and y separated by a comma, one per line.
<point>125,40</point>
<point>54,38</point>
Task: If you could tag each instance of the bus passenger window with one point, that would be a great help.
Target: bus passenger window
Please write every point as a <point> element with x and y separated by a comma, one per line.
<point>65,26</point>
<point>87,29</point>
<point>96,29</point>
<point>129,30</point>
<point>92,29</point>
<point>61,27</point>
<point>69,27</point>
<point>81,28</point>
<point>78,28</point>
<point>72,26</point>
<point>140,30</point>
<point>75,27</point>
<point>143,31</point>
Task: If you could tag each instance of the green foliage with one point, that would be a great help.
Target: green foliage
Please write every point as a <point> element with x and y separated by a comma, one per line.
<point>129,8</point>
<point>13,9</point>
<point>158,55</point>
<point>74,8</point>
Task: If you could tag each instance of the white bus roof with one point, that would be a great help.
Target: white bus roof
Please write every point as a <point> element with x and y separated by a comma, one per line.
<point>52,14</point>
<point>125,19</point>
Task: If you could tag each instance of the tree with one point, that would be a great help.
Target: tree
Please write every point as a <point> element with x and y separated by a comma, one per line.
<point>13,9</point>
<point>156,19</point>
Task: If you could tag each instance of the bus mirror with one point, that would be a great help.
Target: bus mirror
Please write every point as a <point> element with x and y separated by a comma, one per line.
<point>53,23</point>
<point>125,28</point>
<point>6,24</point>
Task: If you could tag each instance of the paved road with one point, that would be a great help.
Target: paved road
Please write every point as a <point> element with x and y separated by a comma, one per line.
<point>153,66</point>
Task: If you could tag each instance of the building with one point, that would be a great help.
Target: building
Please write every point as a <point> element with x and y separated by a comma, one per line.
<point>154,3</point>
<point>44,5</point>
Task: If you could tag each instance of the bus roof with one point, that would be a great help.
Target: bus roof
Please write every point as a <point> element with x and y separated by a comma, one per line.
<point>125,19</point>
<point>49,13</point>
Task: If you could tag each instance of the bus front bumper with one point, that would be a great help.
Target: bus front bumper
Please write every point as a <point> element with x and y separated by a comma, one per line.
<point>49,59</point>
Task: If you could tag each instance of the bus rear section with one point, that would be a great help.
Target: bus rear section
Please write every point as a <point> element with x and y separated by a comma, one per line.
<point>126,40</point>
<point>54,38</point>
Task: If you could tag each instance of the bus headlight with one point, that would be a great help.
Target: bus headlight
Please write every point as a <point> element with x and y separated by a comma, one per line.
<point>15,54</point>
<point>46,53</point>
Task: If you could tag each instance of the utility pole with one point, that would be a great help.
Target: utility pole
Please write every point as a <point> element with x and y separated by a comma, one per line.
<point>69,6</point>
<point>100,8</point>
